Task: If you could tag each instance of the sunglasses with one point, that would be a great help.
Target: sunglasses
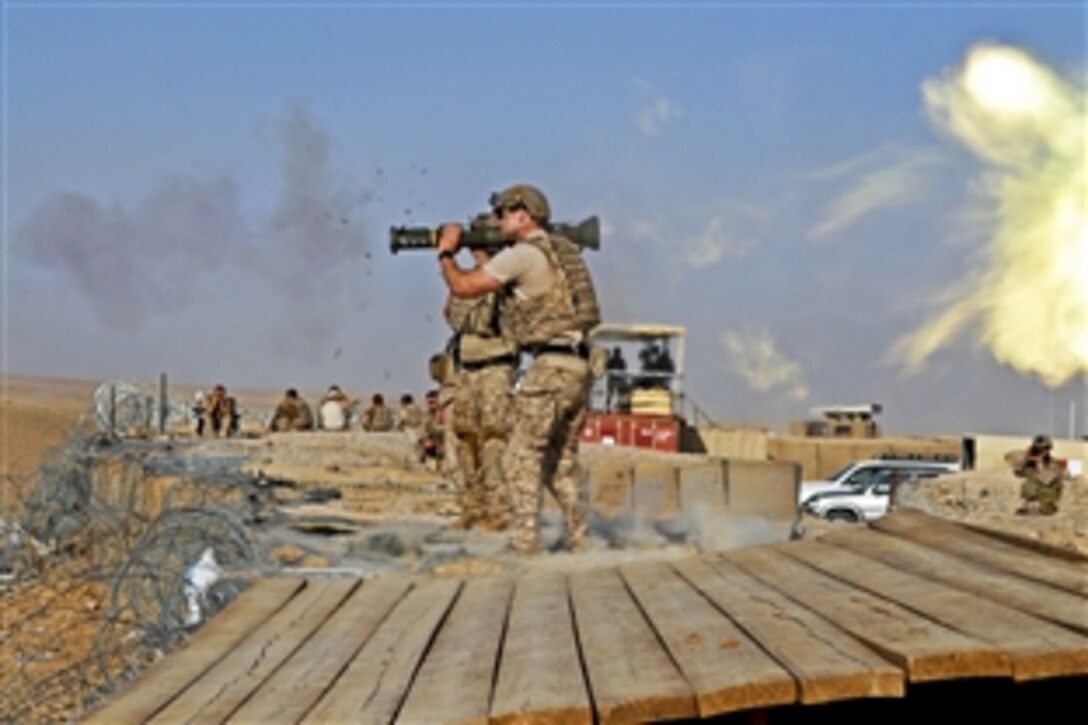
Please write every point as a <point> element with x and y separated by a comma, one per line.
<point>504,210</point>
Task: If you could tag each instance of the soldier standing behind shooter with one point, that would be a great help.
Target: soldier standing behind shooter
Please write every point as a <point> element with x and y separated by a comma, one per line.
<point>480,413</point>
<point>549,306</point>
<point>1044,477</point>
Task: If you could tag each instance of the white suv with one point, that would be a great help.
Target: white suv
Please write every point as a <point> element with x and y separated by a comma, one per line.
<point>856,505</point>
<point>859,475</point>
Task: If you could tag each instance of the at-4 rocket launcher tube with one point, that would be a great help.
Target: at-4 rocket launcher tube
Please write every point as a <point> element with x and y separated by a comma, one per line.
<point>586,234</point>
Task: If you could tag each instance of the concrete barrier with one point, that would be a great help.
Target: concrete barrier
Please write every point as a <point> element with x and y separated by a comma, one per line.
<point>665,486</point>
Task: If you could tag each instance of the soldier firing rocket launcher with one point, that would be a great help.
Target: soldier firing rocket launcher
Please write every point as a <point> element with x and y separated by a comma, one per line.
<point>586,234</point>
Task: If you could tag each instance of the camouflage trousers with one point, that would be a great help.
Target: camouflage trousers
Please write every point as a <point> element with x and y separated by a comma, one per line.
<point>1047,495</point>
<point>549,413</point>
<point>480,422</point>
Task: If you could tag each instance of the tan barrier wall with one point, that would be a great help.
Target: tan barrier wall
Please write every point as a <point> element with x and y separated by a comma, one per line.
<point>669,484</point>
<point>762,488</point>
<point>822,457</point>
<point>750,443</point>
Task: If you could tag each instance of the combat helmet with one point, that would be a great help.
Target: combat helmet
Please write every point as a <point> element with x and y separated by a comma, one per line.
<point>1042,443</point>
<point>528,197</point>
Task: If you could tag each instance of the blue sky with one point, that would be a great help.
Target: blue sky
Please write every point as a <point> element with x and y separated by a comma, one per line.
<point>205,189</point>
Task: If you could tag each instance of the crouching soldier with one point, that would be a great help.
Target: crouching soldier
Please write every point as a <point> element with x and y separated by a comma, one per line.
<point>1044,477</point>
<point>221,413</point>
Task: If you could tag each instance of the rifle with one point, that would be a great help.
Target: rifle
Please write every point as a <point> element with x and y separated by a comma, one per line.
<point>586,234</point>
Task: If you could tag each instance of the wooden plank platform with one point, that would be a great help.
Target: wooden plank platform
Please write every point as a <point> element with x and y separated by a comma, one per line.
<point>860,615</point>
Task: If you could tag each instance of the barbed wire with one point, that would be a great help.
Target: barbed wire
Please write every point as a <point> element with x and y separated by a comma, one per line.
<point>96,570</point>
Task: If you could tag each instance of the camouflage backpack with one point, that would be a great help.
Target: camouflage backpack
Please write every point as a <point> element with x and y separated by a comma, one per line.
<point>587,312</point>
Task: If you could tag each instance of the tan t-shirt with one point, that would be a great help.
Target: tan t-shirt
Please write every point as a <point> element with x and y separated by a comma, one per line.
<point>525,268</point>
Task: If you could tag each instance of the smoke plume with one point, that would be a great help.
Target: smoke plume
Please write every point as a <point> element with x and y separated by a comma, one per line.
<point>133,262</point>
<point>1027,292</point>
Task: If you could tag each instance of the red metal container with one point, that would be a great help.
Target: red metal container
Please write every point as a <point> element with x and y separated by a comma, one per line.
<point>658,432</point>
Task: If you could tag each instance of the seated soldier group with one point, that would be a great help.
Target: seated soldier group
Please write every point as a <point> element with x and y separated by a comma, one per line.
<point>218,414</point>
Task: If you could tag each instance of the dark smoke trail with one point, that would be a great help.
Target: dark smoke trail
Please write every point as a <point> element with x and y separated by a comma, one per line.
<point>131,263</point>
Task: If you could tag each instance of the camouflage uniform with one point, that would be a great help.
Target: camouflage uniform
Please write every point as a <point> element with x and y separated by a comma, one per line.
<point>292,413</point>
<point>480,400</point>
<point>1044,477</point>
<point>378,418</point>
<point>550,403</point>
<point>432,441</point>
<point>221,413</point>
<point>410,418</point>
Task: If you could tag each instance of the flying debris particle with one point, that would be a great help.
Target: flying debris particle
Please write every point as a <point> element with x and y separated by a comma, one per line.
<point>338,352</point>
<point>366,255</point>
<point>344,221</point>
<point>407,212</point>
<point>423,171</point>
<point>385,375</point>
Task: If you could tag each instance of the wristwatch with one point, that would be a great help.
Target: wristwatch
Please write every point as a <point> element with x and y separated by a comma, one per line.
<point>445,254</point>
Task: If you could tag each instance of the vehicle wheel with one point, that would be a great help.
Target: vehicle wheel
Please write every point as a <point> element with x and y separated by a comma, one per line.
<point>846,517</point>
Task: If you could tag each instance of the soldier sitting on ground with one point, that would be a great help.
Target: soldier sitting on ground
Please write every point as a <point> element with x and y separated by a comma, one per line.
<point>1043,476</point>
<point>432,443</point>
<point>293,413</point>
<point>378,417</point>
<point>221,413</point>
<point>334,410</point>
<point>410,415</point>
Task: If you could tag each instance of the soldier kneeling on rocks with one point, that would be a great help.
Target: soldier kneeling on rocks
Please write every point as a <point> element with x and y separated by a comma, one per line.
<point>1044,477</point>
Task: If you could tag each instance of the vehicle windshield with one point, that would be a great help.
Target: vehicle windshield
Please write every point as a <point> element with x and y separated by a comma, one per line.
<point>841,472</point>
<point>863,477</point>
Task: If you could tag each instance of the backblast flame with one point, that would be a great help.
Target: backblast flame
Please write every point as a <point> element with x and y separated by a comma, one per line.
<point>1028,292</point>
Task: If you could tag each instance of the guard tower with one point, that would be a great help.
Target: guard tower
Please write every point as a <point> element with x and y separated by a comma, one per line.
<point>840,421</point>
<point>639,400</point>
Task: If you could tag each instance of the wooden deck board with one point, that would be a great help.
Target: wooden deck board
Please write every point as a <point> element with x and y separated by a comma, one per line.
<point>631,676</point>
<point>168,677</point>
<point>1038,647</point>
<point>540,676</point>
<point>926,650</point>
<point>856,615</point>
<point>988,550</point>
<point>727,671</point>
<point>226,685</point>
<point>373,686</point>
<point>827,663</point>
<point>454,682</point>
<point>296,686</point>
<point>1042,600</point>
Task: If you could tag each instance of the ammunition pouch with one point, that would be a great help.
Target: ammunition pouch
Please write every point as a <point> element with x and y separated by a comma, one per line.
<point>476,348</point>
<point>442,368</point>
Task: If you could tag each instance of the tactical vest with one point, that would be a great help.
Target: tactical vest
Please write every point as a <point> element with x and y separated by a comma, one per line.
<point>476,324</point>
<point>568,306</point>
